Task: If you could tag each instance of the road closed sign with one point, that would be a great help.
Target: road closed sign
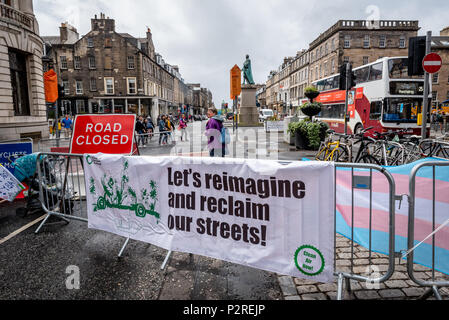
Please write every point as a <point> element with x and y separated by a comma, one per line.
<point>108,134</point>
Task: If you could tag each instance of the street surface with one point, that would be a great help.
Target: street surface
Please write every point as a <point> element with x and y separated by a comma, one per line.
<point>40,266</point>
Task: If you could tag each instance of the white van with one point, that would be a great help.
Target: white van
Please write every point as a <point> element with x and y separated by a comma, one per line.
<point>264,114</point>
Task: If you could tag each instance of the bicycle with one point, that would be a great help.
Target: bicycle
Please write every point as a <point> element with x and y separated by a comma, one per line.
<point>389,152</point>
<point>435,147</point>
<point>333,151</point>
<point>364,153</point>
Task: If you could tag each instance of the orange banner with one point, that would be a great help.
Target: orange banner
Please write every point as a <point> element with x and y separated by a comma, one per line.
<point>51,86</point>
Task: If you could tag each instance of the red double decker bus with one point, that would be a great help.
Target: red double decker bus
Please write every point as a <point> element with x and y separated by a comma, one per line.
<point>385,98</point>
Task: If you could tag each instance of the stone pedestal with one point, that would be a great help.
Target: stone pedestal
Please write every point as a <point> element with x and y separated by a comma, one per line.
<point>249,115</point>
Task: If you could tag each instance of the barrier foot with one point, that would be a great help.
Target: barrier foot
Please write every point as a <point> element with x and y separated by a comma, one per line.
<point>428,294</point>
<point>164,264</point>
<point>42,224</point>
<point>340,287</point>
<point>436,292</point>
<point>348,285</point>
<point>123,248</point>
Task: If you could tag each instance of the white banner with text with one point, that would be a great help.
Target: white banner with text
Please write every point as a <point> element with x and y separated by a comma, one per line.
<point>268,215</point>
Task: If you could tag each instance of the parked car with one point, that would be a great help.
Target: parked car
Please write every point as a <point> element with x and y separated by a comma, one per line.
<point>264,114</point>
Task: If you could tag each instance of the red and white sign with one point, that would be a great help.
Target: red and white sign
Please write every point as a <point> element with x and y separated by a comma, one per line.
<point>108,134</point>
<point>432,63</point>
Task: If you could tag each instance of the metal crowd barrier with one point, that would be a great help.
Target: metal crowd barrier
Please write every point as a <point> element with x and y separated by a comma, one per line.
<point>153,139</point>
<point>17,140</point>
<point>63,195</point>
<point>433,285</point>
<point>61,145</point>
<point>61,187</point>
<point>362,181</point>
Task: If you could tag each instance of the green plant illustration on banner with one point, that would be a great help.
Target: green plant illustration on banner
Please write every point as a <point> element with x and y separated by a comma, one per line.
<point>115,194</point>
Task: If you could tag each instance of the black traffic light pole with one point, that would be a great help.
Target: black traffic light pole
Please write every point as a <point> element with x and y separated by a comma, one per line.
<point>348,72</point>
<point>425,109</point>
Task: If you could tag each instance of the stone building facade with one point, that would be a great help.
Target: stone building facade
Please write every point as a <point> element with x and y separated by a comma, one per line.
<point>299,78</point>
<point>359,42</point>
<point>440,80</point>
<point>110,72</point>
<point>22,99</point>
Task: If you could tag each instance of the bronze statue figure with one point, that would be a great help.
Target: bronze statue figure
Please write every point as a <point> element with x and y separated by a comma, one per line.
<point>247,72</point>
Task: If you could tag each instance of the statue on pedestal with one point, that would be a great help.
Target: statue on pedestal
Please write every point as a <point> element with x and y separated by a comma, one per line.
<point>247,72</point>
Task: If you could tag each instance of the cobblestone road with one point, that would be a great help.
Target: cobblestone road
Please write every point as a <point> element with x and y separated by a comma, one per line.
<point>398,287</point>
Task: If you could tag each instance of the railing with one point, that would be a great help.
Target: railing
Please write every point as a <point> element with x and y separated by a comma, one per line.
<point>16,16</point>
<point>353,24</point>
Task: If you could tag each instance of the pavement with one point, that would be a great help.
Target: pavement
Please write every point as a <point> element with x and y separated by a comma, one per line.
<point>40,267</point>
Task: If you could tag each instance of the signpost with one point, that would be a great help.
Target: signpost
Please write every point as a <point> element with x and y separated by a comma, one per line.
<point>429,64</point>
<point>108,134</point>
<point>432,63</point>
<point>236,89</point>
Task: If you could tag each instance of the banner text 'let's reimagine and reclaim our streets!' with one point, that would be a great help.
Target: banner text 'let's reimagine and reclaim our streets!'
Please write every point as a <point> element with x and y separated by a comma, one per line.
<point>248,209</point>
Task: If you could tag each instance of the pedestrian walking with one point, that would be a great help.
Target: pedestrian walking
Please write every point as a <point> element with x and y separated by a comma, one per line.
<point>440,120</point>
<point>169,126</point>
<point>67,125</point>
<point>140,130</point>
<point>150,128</point>
<point>214,133</point>
<point>162,130</point>
<point>183,127</point>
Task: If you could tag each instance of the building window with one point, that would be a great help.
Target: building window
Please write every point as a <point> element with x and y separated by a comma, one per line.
<point>65,84</point>
<point>131,62</point>
<point>109,85</point>
<point>107,42</point>
<point>93,84</point>
<point>366,42</point>
<point>365,60</point>
<point>435,77</point>
<point>333,44</point>
<point>77,62</point>
<point>382,42</point>
<point>434,95</point>
<point>347,43</point>
<point>80,106</point>
<point>402,42</point>
<point>19,83</point>
<point>63,62</point>
<point>90,42</point>
<point>345,59</point>
<point>79,87</point>
<point>132,86</point>
<point>92,64</point>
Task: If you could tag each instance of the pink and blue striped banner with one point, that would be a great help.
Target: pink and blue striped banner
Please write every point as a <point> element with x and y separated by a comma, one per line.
<point>379,218</point>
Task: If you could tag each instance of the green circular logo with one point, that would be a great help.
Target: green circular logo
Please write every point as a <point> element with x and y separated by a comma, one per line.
<point>309,260</point>
<point>89,160</point>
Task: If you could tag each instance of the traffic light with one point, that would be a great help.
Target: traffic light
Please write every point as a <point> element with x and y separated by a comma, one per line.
<point>60,91</point>
<point>343,77</point>
<point>416,54</point>
<point>352,79</point>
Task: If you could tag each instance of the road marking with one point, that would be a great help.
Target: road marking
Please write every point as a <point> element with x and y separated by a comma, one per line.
<point>15,233</point>
<point>433,63</point>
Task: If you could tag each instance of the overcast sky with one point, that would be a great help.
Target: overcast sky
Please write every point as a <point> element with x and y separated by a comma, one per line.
<point>206,38</point>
